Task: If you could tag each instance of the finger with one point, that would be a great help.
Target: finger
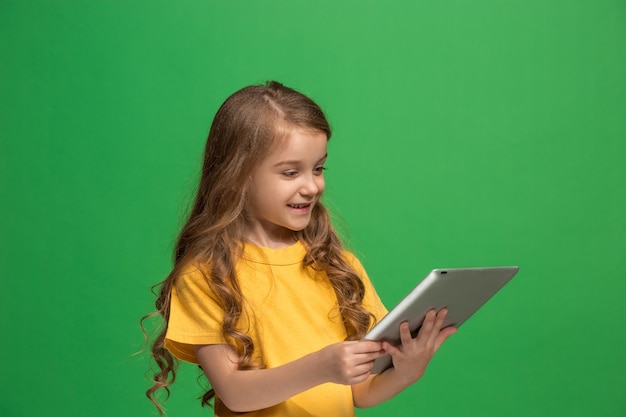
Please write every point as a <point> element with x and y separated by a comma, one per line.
<point>367,346</point>
<point>405,334</point>
<point>356,374</point>
<point>441,317</point>
<point>427,325</point>
<point>362,369</point>
<point>438,324</point>
<point>375,355</point>
<point>356,379</point>
<point>391,349</point>
<point>370,357</point>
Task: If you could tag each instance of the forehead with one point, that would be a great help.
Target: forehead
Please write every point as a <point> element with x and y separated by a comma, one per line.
<point>298,144</point>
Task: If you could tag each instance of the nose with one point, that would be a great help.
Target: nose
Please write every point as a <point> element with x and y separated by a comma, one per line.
<point>312,185</point>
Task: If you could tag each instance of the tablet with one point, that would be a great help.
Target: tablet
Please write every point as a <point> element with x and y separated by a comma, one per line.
<point>461,290</point>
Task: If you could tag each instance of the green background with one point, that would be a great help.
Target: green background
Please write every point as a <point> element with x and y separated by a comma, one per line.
<point>466,133</point>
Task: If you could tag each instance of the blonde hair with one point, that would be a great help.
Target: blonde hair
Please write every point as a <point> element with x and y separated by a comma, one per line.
<point>243,131</point>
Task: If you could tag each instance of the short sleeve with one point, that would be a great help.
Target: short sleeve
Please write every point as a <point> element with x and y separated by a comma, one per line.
<point>195,318</point>
<point>371,300</point>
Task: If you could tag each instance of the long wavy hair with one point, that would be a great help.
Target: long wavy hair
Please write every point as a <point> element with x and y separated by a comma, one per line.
<point>244,130</point>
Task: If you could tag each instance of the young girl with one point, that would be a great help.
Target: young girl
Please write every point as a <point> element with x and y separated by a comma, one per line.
<point>262,294</point>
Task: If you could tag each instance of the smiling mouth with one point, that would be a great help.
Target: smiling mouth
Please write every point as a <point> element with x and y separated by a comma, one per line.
<point>299,206</point>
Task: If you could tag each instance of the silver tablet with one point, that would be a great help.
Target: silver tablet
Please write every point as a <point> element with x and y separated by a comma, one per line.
<point>461,290</point>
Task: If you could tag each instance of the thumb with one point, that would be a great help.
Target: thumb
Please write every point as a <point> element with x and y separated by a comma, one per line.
<point>390,349</point>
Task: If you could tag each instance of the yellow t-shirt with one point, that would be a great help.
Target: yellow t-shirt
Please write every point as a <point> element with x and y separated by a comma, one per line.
<point>291,312</point>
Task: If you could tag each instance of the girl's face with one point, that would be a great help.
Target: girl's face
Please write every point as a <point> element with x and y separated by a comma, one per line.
<point>285,187</point>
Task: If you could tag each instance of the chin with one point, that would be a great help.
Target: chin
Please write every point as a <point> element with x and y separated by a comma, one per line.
<point>298,228</point>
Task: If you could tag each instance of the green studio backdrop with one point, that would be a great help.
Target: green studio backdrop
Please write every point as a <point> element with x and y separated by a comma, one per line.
<point>466,133</point>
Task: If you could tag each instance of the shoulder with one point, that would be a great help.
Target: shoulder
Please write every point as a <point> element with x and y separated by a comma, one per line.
<point>353,261</point>
<point>191,272</point>
<point>371,301</point>
<point>357,266</point>
<point>192,278</point>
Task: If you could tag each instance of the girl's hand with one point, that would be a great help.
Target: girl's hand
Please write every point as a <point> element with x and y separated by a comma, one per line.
<point>411,358</point>
<point>348,363</point>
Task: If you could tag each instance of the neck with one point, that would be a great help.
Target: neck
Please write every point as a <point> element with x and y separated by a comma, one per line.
<point>273,239</point>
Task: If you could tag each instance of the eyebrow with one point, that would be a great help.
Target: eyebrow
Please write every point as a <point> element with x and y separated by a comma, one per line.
<point>295,161</point>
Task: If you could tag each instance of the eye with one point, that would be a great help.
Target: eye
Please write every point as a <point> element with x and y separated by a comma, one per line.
<point>319,169</point>
<point>290,173</point>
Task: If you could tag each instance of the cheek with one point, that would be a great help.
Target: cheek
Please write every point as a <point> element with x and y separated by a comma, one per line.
<point>321,184</point>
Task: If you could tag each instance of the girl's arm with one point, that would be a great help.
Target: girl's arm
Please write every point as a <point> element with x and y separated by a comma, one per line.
<point>346,363</point>
<point>409,361</point>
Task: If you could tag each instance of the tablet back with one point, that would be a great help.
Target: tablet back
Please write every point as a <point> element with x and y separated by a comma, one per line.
<point>461,290</point>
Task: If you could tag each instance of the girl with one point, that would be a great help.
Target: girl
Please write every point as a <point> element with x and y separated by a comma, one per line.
<point>262,294</point>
